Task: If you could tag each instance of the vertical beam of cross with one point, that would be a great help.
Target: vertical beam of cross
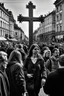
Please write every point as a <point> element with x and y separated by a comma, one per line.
<point>30,19</point>
<point>30,6</point>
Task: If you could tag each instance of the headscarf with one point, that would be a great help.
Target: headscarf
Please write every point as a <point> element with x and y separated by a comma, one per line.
<point>15,57</point>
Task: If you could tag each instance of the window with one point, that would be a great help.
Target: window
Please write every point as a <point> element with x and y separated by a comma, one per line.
<point>57,17</point>
<point>16,33</point>
<point>0,23</point>
<point>0,32</point>
<point>57,27</point>
<point>60,16</point>
<point>3,24</point>
<point>0,13</point>
<point>61,7</point>
<point>60,27</point>
<point>57,9</point>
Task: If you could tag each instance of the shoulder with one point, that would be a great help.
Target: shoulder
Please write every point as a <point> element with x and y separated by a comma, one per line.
<point>15,67</point>
<point>52,58</point>
<point>41,59</point>
<point>1,77</point>
<point>28,59</point>
<point>53,74</point>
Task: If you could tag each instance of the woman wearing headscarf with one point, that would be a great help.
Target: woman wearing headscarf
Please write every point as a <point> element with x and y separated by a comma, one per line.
<point>16,74</point>
<point>35,73</point>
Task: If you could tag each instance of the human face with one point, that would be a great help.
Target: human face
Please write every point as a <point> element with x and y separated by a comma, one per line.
<point>36,50</point>
<point>56,53</point>
<point>48,54</point>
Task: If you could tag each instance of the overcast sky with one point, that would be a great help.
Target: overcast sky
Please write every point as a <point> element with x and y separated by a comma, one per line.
<point>19,7</point>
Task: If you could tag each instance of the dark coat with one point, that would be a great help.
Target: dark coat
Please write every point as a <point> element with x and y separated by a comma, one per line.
<point>54,85</point>
<point>4,84</point>
<point>38,71</point>
<point>16,75</point>
<point>52,63</point>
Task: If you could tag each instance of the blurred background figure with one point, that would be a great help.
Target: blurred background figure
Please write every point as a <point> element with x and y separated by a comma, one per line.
<point>52,63</point>
<point>21,49</point>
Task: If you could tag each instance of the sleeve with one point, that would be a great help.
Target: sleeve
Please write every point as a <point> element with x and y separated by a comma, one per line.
<point>43,70</point>
<point>25,66</point>
<point>19,79</point>
<point>48,64</point>
<point>48,86</point>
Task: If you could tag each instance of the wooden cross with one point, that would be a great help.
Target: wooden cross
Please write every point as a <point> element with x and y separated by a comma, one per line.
<point>30,19</point>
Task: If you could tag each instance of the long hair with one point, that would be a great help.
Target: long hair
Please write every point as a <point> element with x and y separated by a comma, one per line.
<point>15,56</point>
<point>31,48</point>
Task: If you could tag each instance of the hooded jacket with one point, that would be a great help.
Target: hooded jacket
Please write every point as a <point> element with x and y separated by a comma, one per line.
<point>16,74</point>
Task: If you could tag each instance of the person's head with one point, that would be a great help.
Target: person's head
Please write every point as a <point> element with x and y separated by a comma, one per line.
<point>25,49</point>
<point>34,50</point>
<point>16,46</point>
<point>56,52</point>
<point>61,60</point>
<point>20,46</point>
<point>47,53</point>
<point>23,55</point>
<point>3,58</point>
<point>15,56</point>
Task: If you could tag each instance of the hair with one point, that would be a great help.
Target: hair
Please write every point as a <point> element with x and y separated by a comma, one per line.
<point>61,60</point>
<point>31,48</point>
<point>45,51</point>
<point>55,49</point>
<point>15,56</point>
<point>22,54</point>
<point>20,46</point>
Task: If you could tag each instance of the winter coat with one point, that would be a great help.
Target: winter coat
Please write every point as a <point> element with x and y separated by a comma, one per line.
<point>16,74</point>
<point>52,63</point>
<point>4,84</point>
<point>38,71</point>
<point>54,83</point>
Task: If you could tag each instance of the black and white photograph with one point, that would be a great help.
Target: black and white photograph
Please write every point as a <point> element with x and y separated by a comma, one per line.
<point>31,47</point>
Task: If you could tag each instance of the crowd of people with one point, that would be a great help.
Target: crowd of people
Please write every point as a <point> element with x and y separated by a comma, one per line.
<point>24,71</point>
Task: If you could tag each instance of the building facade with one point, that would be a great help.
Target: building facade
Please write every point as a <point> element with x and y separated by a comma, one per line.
<point>18,33</point>
<point>6,22</point>
<point>52,29</point>
<point>59,35</point>
<point>46,29</point>
<point>11,25</point>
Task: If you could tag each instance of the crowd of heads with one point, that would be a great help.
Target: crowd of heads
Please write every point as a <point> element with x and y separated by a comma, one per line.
<point>45,50</point>
<point>18,53</point>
